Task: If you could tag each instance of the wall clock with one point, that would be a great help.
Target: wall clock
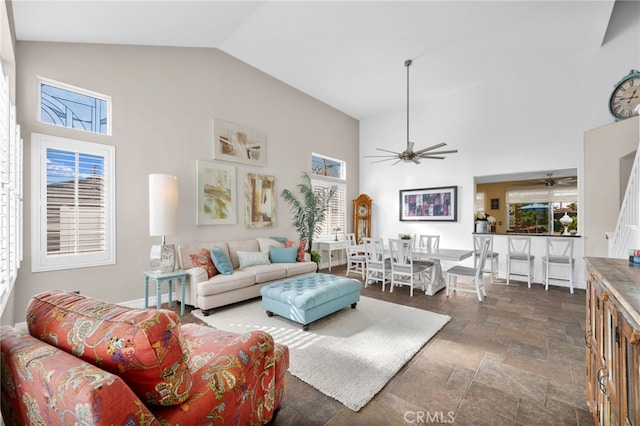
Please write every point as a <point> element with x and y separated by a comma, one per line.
<point>362,217</point>
<point>625,99</point>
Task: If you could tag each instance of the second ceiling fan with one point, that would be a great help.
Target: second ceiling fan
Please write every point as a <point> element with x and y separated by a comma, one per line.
<point>409,154</point>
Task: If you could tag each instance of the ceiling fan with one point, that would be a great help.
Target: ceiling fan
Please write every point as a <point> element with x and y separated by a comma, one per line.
<point>409,154</point>
<point>549,181</point>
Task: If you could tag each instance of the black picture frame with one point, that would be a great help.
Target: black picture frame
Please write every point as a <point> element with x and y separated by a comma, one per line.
<point>429,204</point>
<point>495,204</point>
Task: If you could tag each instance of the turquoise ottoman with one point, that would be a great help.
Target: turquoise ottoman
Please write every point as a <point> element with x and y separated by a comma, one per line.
<point>310,297</point>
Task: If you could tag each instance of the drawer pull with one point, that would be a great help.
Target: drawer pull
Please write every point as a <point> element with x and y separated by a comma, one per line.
<point>602,375</point>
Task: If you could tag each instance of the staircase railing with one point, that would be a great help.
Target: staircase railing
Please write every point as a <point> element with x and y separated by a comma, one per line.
<point>627,233</point>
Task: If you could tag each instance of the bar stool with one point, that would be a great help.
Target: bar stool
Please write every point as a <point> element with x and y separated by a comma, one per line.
<point>492,256</point>
<point>520,252</point>
<point>559,254</point>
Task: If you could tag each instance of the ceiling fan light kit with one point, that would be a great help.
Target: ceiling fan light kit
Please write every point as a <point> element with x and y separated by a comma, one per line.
<point>409,154</point>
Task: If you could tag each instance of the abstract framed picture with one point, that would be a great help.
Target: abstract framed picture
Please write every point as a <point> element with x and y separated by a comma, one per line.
<point>239,144</point>
<point>216,193</point>
<point>260,200</point>
<point>429,204</point>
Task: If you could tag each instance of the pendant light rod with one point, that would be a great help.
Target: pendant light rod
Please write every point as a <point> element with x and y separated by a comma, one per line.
<point>407,64</point>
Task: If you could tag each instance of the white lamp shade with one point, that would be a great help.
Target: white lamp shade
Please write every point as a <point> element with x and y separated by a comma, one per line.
<point>163,205</point>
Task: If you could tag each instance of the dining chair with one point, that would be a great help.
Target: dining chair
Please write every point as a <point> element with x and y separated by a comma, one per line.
<point>559,254</point>
<point>476,274</point>
<point>491,255</point>
<point>377,263</point>
<point>430,242</point>
<point>403,269</point>
<point>519,251</point>
<point>355,256</point>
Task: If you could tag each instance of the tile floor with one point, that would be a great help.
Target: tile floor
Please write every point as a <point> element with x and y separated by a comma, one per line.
<point>518,358</point>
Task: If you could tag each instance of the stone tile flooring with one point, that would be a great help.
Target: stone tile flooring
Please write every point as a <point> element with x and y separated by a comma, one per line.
<point>518,358</point>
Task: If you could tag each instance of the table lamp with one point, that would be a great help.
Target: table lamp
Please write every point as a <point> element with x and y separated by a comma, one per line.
<point>163,219</point>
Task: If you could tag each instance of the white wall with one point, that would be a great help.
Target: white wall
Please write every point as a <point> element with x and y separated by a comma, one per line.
<point>164,101</point>
<point>529,122</point>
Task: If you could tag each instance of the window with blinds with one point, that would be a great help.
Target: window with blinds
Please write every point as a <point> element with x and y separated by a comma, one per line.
<point>10,193</point>
<point>539,209</point>
<point>74,221</point>
<point>335,222</point>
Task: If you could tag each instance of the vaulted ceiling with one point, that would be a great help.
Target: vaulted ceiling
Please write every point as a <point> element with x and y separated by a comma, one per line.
<point>348,54</point>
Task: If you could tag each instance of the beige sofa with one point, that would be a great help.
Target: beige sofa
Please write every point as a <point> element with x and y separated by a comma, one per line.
<point>244,283</point>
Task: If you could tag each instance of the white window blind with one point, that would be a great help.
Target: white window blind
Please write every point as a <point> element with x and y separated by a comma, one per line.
<point>10,193</point>
<point>336,215</point>
<point>479,204</point>
<point>73,199</point>
<point>564,194</point>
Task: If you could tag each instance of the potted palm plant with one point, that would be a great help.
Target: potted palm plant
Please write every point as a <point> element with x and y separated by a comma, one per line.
<point>309,211</point>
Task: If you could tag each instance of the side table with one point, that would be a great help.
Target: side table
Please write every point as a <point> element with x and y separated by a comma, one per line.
<point>160,277</point>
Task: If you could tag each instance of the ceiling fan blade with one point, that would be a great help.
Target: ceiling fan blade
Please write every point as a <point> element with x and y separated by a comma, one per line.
<point>386,150</point>
<point>430,148</point>
<point>399,160</point>
<point>385,159</point>
<point>374,156</point>
<point>451,151</point>
<point>432,157</point>
<point>415,160</point>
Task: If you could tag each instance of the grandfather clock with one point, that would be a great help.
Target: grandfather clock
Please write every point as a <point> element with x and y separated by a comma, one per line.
<point>362,217</point>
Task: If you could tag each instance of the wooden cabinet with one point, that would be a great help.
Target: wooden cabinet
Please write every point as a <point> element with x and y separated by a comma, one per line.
<point>612,341</point>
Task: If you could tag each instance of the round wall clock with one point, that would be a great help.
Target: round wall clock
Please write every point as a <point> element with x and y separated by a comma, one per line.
<point>625,99</point>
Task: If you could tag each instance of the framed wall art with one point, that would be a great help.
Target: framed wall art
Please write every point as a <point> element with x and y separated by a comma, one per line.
<point>260,200</point>
<point>429,204</point>
<point>216,193</point>
<point>239,144</point>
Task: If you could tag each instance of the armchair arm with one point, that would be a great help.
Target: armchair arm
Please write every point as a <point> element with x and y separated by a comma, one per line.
<point>194,276</point>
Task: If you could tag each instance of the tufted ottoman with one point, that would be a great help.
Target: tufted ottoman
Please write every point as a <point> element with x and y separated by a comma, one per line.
<point>310,297</point>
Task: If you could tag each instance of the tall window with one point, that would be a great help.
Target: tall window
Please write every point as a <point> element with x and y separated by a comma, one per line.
<point>10,193</point>
<point>335,222</point>
<point>67,106</point>
<point>73,214</point>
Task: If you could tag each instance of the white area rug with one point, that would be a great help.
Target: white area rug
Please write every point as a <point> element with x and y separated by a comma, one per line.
<point>349,355</point>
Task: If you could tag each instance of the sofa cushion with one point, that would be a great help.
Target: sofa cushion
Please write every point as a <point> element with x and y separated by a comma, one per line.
<point>221,261</point>
<point>270,272</point>
<point>300,268</point>
<point>186,250</point>
<point>144,347</point>
<point>241,245</point>
<point>283,255</point>
<point>203,259</point>
<point>223,283</point>
<point>252,258</point>
<point>39,381</point>
<point>265,243</point>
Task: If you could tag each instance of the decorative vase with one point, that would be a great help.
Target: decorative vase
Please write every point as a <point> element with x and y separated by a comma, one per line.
<point>482,226</point>
<point>566,221</point>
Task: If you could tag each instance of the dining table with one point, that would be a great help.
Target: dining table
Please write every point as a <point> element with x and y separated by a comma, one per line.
<point>437,281</point>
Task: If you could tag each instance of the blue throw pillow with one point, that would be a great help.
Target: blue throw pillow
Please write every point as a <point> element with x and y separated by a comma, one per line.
<point>282,254</point>
<point>221,261</point>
